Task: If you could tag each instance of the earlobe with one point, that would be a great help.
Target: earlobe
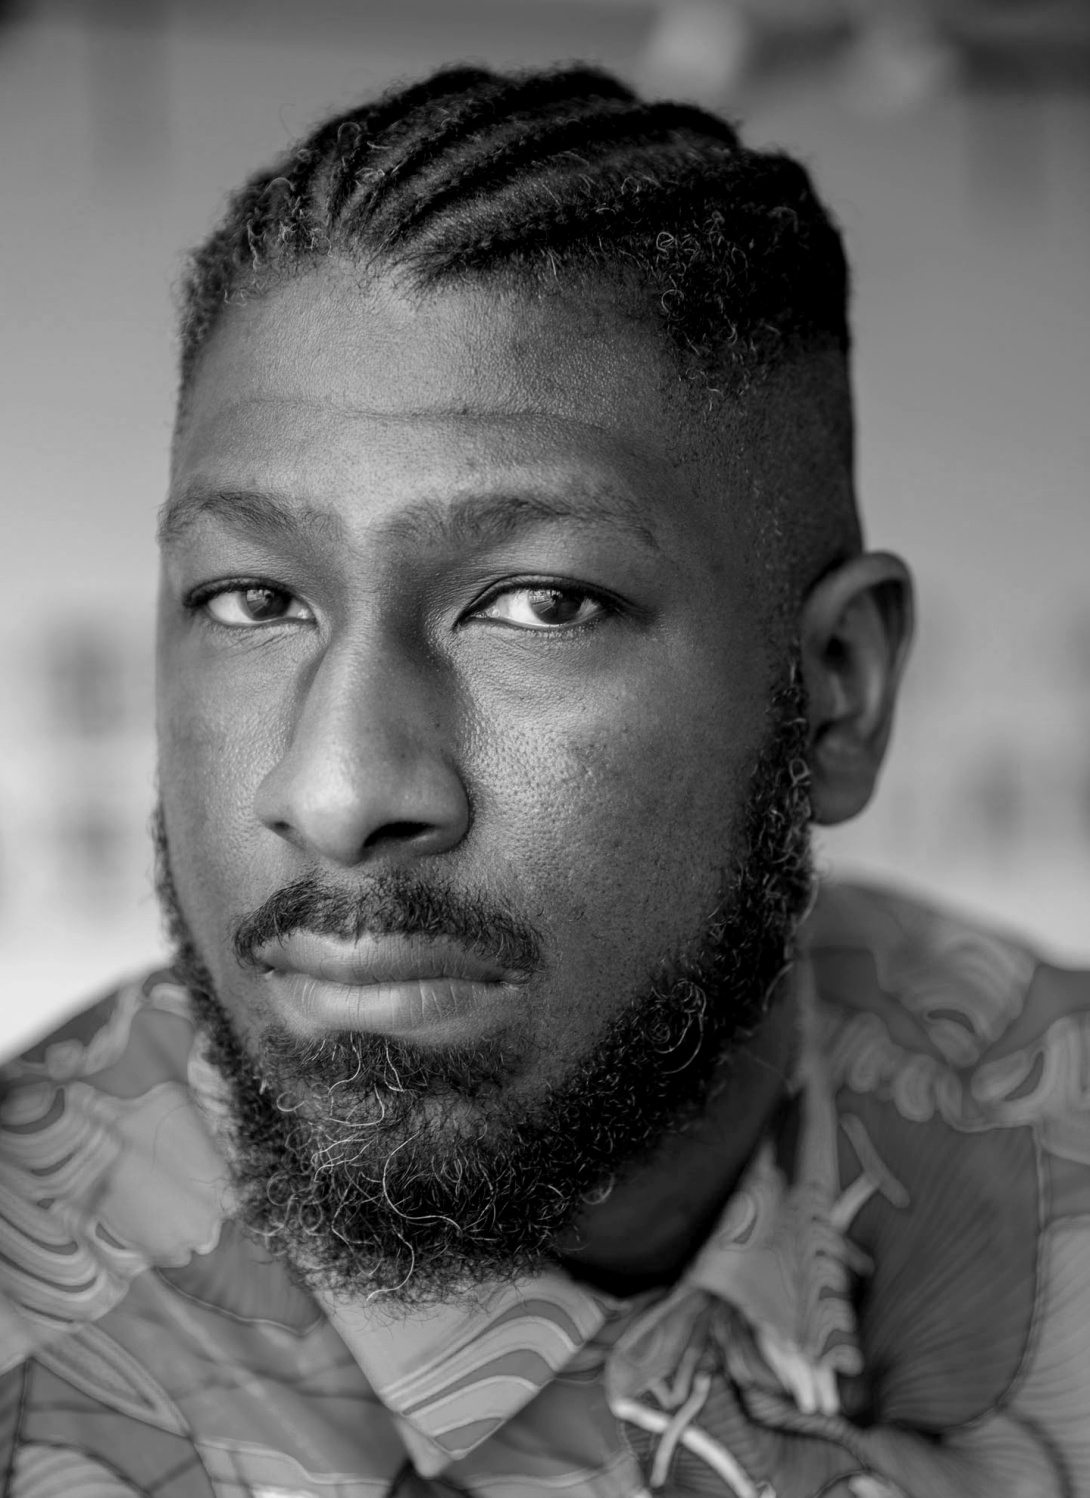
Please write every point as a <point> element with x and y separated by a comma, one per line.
<point>855,630</point>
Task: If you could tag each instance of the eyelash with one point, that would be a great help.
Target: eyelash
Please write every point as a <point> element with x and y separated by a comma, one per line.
<point>609,606</point>
<point>194,601</point>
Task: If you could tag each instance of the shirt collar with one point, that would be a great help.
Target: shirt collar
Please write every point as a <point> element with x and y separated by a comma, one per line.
<point>451,1375</point>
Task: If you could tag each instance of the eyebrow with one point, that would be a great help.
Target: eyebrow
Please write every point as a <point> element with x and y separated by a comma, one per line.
<point>468,519</point>
<point>247,511</point>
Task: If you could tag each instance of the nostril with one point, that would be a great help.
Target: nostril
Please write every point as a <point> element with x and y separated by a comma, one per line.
<point>397,832</point>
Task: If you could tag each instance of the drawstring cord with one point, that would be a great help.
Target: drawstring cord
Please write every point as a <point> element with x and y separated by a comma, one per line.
<point>677,1427</point>
<point>717,1457</point>
<point>682,1399</point>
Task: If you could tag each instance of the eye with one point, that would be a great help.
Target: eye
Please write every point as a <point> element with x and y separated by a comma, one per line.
<point>543,608</point>
<point>243,607</point>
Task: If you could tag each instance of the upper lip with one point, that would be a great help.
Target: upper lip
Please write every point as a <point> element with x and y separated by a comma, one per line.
<point>379,959</point>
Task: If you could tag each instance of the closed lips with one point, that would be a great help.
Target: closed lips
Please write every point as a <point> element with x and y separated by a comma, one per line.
<point>378,960</point>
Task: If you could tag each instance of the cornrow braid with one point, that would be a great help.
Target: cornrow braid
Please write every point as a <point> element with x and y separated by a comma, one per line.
<point>502,102</point>
<point>474,173</point>
<point>567,141</point>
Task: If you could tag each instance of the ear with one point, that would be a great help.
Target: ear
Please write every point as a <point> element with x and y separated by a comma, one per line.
<point>855,630</point>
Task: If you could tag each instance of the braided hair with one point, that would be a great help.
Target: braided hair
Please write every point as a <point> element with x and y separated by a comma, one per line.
<point>474,173</point>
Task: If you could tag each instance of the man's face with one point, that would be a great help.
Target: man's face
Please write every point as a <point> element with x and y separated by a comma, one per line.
<point>462,682</point>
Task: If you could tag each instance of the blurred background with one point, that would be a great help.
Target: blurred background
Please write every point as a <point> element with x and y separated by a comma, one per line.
<point>950,137</point>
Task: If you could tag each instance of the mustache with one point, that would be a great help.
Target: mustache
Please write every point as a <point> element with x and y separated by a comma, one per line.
<point>393,903</point>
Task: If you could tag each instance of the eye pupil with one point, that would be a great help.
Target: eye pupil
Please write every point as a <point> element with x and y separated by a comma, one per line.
<point>264,603</point>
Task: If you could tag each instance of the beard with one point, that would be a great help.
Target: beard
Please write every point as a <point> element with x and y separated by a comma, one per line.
<point>375,1167</point>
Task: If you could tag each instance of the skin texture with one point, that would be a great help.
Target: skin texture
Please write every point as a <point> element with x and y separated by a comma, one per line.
<point>403,715</point>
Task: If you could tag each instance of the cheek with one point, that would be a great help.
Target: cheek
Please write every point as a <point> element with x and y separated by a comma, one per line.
<point>215,746</point>
<point>616,815</point>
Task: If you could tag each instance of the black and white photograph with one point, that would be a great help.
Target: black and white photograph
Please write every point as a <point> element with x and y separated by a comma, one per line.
<point>545,751</point>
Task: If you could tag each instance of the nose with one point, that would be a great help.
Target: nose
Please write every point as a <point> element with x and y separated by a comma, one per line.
<point>366,775</point>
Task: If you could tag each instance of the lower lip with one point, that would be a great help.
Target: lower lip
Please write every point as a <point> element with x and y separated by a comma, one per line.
<point>439,1010</point>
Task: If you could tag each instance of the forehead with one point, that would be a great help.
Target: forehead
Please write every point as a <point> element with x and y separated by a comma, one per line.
<point>355,396</point>
<point>373,343</point>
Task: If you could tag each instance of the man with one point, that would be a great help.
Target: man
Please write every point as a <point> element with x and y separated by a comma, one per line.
<point>516,1119</point>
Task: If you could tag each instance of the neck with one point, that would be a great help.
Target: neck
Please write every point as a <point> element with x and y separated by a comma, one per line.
<point>653,1221</point>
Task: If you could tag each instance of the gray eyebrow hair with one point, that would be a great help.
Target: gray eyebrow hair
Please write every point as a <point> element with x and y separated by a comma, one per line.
<point>476,517</point>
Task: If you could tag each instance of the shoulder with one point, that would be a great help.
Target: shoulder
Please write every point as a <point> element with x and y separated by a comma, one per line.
<point>961,1066</point>
<point>102,1030</point>
<point>108,1163</point>
<point>138,1037</point>
<point>937,1011</point>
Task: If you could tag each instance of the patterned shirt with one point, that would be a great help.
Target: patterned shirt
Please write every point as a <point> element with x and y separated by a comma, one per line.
<point>898,1305</point>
